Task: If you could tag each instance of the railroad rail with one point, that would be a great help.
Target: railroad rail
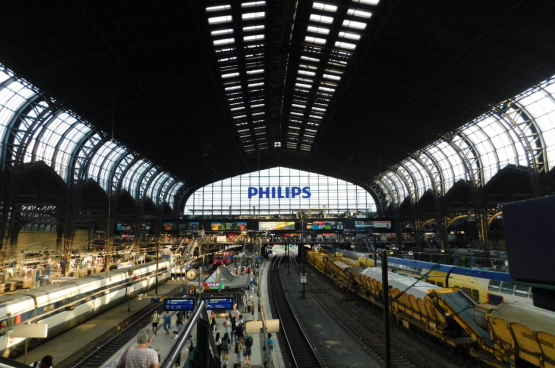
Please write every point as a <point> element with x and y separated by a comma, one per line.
<point>302,351</point>
<point>406,351</point>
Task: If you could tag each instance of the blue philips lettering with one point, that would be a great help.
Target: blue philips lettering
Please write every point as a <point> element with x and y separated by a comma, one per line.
<point>273,192</point>
<point>287,192</point>
<point>295,191</point>
<point>261,192</point>
<point>252,192</point>
<point>279,193</point>
<point>306,191</point>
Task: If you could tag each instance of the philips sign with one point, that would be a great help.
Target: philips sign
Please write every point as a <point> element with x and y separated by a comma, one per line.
<point>279,192</point>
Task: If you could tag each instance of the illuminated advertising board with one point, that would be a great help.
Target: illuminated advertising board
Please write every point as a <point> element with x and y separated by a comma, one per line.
<point>363,224</point>
<point>282,225</point>
<point>239,226</point>
<point>213,285</point>
<point>279,192</point>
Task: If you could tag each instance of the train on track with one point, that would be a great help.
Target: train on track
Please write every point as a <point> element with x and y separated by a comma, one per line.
<point>224,257</point>
<point>66,304</point>
<point>500,335</point>
<point>484,286</point>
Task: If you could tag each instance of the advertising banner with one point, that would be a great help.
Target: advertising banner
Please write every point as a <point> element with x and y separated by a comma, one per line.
<point>239,226</point>
<point>284,225</point>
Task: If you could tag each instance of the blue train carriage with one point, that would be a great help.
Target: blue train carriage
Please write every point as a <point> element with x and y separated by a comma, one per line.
<point>66,304</point>
<point>483,285</point>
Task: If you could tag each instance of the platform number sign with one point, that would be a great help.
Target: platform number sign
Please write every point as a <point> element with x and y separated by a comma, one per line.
<point>303,279</point>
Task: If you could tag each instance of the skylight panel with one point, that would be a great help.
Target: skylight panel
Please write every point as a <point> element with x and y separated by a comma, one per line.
<point>326,7</point>
<point>227,59</point>
<point>299,106</point>
<point>294,127</point>
<point>312,123</point>
<point>301,85</point>
<point>225,41</point>
<point>258,113</point>
<point>304,72</point>
<point>253,4</point>
<point>353,24</point>
<point>326,89</point>
<point>352,36</point>
<point>241,124</point>
<point>277,144</point>
<point>359,13</point>
<point>314,116</point>
<point>238,108</point>
<point>310,59</point>
<point>257,15</point>
<point>218,8</point>
<point>252,85</point>
<point>320,41</point>
<point>296,113</point>
<point>230,75</point>
<point>255,71</point>
<point>318,109</point>
<point>332,77</point>
<point>253,28</point>
<point>321,19</point>
<point>221,32</point>
<point>253,38</point>
<point>257,106</point>
<point>319,30</point>
<point>232,88</point>
<point>367,2</point>
<point>222,19</point>
<point>239,116</point>
<point>345,45</point>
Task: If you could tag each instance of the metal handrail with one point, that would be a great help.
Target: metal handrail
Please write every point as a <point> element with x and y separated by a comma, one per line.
<point>175,352</point>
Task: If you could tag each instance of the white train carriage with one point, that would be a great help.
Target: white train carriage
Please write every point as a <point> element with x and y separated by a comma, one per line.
<point>66,304</point>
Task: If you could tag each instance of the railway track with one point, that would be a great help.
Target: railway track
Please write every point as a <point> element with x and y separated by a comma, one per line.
<point>406,351</point>
<point>302,352</point>
<point>100,354</point>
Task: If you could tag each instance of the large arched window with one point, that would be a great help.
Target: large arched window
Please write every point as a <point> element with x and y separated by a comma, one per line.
<point>279,190</point>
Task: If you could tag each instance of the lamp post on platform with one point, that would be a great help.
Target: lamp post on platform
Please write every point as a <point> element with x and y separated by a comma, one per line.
<point>300,247</point>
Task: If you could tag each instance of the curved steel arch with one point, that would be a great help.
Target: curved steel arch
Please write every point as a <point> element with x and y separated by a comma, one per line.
<point>144,184</point>
<point>12,133</point>
<point>75,175</point>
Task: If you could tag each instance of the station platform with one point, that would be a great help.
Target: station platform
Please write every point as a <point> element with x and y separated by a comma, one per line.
<point>163,343</point>
<point>68,346</point>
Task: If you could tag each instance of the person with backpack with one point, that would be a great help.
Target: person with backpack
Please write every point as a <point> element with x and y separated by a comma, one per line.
<point>248,350</point>
<point>233,327</point>
<point>225,347</point>
<point>239,351</point>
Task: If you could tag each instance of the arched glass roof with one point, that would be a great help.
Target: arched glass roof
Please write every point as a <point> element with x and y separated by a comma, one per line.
<point>519,132</point>
<point>63,141</point>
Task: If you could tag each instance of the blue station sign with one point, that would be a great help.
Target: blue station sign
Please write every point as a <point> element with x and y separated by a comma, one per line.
<point>179,304</point>
<point>219,303</point>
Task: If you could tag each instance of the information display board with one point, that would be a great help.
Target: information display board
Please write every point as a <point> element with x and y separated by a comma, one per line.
<point>219,303</point>
<point>179,304</point>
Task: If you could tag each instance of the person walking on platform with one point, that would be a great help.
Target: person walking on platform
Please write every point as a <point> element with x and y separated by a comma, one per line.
<point>239,351</point>
<point>233,320</point>
<point>154,320</point>
<point>252,310</point>
<point>140,356</point>
<point>218,344</point>
<point>213,321</point>
<point>227,325</point>
<point>225,347</point>
<point>167,322</point>
<point>45,362</point>
<point>179,321</point>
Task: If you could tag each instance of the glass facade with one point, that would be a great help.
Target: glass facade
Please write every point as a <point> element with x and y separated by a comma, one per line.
<point>278,191</point>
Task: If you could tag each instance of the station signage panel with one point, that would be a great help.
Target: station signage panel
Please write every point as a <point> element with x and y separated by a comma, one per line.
<point>282,225</point>
<point>179,304</point>
<point>220,304</point>
<point>213,285</point>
